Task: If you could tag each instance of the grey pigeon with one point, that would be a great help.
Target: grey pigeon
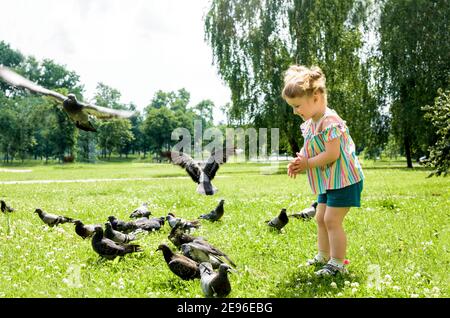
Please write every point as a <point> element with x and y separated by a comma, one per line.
<point>77,111</point>
<point>215,214</point>
<point>203,173</point>
<point>185,225</point>
<point>122,226</point>
<point>5,208</point>
<point>141,211</point>
<point>109,249</point>
<point>153,224</point>
<point>215,284</point>
<point>52,219</point>
<point>279,221</point>
<point>84,230</point>
<point>201,251</point>
<point>307,213</point>
<point>180,265</point>
<point>119,237</point>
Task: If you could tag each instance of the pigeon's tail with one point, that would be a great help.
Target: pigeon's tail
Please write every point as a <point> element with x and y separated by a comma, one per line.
<point>206,188</point>
<point>132,248</point>
<point>65,219</point>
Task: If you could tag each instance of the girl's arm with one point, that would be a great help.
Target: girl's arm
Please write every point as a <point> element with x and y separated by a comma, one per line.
<point>331,154</point>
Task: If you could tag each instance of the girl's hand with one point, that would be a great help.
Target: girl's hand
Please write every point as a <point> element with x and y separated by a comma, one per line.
<point>298,165</point>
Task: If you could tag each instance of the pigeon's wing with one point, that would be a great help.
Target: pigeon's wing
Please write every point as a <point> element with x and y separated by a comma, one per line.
<point>185,161</point>
<point>104,112</point>
<point>17,80</point>
<point>214,161</point>
<point>184,267</point>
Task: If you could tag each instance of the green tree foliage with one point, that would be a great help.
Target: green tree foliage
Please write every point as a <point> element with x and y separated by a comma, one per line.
<point>415,60</point>
<point>254,42</point>
<point>158,127</point>
<point>439,116</point>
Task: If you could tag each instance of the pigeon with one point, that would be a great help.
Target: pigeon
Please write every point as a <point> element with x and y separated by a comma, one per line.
<point>121,226</point>
<point>52,219</point>
<point>185,225</point>
<point>180,265</point>
<point>178,236</point>
<point>150,225</point>
<point>141,211</point>
<point>77,111</point>
<point>280,221</point>
<point>305,214</point>
<point>203,173</point>
<point>84,230</point>
<point>109,249</point>
<point>119,237</point>
<point>5,208</point>
<point>215,284</point>
<point>201,251</point>
<point>215,214</point>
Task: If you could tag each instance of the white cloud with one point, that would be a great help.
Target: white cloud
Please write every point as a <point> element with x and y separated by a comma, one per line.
<point>137,47</point>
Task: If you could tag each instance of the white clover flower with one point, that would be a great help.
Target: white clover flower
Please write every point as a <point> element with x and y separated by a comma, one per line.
<point>354,290</point>
<point>396,288</point>
<point>354,284</point>
<point>339,294</point>
<point>346,283</point>
<point>333,285</point>
<point>417,275</point>
<point>414,296</point>
<point>387,277</point>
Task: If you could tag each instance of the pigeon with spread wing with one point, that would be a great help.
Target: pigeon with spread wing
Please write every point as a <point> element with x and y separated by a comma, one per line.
<point>79,112</point>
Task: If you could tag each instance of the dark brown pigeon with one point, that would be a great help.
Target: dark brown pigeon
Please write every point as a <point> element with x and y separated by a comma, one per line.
<point>178,236</point>
<point>215,214</point>
<point>109,249</point>
<point>180,265</point>
<point>5,208</point>
<point>77,111</point>
<point>307,213</point>
<point>84,230</point>
<point>202,173</point>
<point>52,219</point>
<point>215,284</point>
<point>279,221</point>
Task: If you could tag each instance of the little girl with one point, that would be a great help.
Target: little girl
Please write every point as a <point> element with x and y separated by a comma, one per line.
<point>329,159</point>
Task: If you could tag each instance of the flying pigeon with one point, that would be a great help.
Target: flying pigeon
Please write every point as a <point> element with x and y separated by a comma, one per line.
<point>203,173</point>
<point>201,252</point>
<point>84,230</point>
<point>180,265</point>
<point>279,221</point>
<point>78,112</point>
<point>185,225</point>
<point>305,214</point>
<point>119,237</point>
<point>141,211</point>
<point>108,248</point>
<point>5,208</point>
<point>121,226</point>
<point>215,284</point>
<point>215,214</point>
<point>52,219</point>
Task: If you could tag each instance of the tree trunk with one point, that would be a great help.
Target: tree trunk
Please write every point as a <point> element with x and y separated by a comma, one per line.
<point>294,146</point>
<point>408,152</point>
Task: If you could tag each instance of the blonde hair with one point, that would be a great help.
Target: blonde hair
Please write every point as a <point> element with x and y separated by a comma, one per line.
<point>300,81</point>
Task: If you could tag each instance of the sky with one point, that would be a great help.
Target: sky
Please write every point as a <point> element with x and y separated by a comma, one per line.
<point>135,46</point>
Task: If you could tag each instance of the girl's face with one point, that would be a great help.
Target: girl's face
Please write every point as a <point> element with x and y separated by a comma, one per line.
<point>307,106</point>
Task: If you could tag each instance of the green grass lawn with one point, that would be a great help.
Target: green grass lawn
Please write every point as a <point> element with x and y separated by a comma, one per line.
<point>397,241</point>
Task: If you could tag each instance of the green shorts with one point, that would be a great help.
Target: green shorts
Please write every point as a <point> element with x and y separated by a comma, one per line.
<point>344,197</point>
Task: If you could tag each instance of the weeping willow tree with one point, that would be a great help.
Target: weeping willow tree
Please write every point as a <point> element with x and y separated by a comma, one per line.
<point>254,42</point>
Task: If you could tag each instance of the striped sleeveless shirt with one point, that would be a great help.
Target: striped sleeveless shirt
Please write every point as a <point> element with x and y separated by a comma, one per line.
<point>346,170</point>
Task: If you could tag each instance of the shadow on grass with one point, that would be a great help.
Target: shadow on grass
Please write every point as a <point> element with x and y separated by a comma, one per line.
<point>303,283</point>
